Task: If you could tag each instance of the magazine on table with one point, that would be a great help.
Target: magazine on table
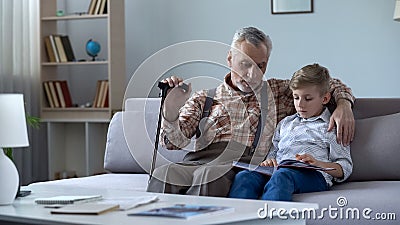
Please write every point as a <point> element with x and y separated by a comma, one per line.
<point>185,211</point>
<point>287,163</point>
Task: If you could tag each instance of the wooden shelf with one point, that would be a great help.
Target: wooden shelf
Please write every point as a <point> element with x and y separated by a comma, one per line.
<point>77,136</point>
<point>75,63</point>
<point>74,17</point>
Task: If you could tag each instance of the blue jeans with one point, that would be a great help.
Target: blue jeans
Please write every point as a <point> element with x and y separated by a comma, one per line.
<point>279,187</point>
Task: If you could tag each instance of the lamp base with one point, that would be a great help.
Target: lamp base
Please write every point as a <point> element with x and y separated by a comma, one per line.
<point>9,179</point>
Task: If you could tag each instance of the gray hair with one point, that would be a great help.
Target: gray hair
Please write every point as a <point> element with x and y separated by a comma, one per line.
<point>252,35</point>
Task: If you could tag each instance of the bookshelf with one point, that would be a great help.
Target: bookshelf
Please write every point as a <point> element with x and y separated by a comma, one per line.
<point>77,135</point>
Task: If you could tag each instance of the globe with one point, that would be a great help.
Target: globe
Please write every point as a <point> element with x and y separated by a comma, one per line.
<point>92,48</point>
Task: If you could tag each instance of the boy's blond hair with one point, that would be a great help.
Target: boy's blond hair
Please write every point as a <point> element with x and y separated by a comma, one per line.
<point>311,75</point>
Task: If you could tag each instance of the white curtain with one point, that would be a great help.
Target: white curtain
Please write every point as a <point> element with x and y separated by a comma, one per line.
<point>19,73</point>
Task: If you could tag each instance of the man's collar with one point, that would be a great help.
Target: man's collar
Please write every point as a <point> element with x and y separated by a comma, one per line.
<point>228,85</point>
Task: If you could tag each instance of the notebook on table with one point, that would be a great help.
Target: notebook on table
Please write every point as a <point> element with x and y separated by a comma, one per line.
<point>67,199</point>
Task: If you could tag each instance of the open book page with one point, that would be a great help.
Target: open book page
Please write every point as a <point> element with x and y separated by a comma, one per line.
<point>291,163</point>
<point>184,211</point>
<point>269,170</point>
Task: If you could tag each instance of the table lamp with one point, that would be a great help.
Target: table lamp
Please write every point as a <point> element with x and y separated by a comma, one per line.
<point>397,11</point>
<point>13,133</point>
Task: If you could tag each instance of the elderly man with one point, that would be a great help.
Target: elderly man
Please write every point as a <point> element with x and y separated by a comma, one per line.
<point>240,122</point>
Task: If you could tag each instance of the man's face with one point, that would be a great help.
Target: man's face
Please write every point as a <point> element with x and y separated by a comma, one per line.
<point>248,64</point>
<point>309,102</point>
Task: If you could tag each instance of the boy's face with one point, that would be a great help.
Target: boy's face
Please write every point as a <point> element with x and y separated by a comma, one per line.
<point>309,102</point>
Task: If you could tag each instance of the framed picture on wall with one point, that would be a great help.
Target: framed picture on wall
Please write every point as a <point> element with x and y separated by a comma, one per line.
<point>291,6</point>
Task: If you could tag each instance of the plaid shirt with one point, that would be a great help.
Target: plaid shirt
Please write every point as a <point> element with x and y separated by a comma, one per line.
<point>234,116</point>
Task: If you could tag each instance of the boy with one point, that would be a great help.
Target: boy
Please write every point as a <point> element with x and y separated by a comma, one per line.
<point>302,136</point>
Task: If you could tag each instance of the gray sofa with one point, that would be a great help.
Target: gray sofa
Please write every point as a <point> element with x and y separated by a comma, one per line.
<point>368,196</point>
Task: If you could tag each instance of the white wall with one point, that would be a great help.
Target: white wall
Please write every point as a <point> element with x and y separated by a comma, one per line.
<point>358,40</point>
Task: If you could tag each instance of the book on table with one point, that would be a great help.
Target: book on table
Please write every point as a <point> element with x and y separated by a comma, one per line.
<point>287,163</point>
<point>85,209</point>
<point>185,211</point>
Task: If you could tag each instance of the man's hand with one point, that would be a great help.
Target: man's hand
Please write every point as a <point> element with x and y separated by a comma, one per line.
<point>269,162</point>
<point>176,98</point>
<point>344,119</point>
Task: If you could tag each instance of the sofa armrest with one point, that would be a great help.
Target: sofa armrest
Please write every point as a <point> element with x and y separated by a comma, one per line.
<point>118,158</point>
<point>131,137</point>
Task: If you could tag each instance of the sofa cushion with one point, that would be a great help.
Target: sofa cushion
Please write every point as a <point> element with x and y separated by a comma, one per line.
<point>376,195</point>
<point>375,149</point>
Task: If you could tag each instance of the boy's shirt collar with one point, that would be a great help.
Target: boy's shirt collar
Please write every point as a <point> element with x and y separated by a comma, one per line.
<point>325,116</point>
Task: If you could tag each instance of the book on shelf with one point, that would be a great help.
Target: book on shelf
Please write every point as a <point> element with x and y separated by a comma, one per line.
<point>104,95</point>
<point>105,11</point>
<point>67,199</point>
<point>54,47</point>
<point>92,6</point>
<point>69,52</point>
<point>97,9</point>
<point>57,93</point>
<point>185,211</point>
<point>288,163</point>
<point>106,105</point>
<point>102,92</point>
<point>66,93</point>
<point>54,94</point>
<point>48,94</point>
<point>60,94</point>
<point>96,97</point>
<point>85,209</point>
<point>49,49</point>
<point>103,6</point>
<point>60,48</point>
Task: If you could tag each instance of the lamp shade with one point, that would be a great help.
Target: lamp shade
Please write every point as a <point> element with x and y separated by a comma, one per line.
<point>13,131</point>
<point>397,11</point>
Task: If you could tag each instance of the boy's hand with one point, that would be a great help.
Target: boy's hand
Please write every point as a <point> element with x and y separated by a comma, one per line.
<point>269,162</point>
<point>307,158</point>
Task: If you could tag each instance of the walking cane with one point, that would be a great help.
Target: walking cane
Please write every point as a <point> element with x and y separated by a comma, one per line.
<point>164,88</point>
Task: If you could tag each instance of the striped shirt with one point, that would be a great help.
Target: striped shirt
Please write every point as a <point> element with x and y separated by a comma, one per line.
<point>296,135</point>
<point>234,115</point>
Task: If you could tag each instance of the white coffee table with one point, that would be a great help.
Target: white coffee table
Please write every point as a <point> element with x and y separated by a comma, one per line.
<point>25,211</point>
